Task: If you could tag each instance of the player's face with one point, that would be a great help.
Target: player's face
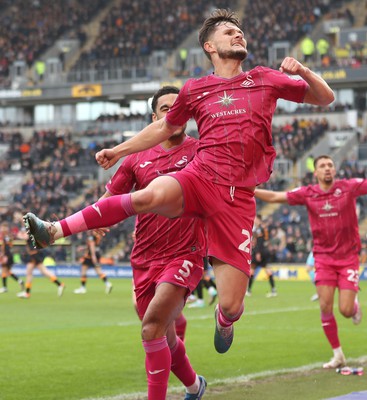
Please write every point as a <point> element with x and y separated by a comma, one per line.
<point>164,103</point>
<point>229,42</point>
<point>325,170</point>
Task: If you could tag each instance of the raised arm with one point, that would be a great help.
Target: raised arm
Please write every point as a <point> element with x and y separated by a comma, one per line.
<point>150,136</point>
<point>270,196</point>
<point>319,92</point>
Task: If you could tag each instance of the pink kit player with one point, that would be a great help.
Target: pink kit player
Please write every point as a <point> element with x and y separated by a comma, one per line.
<point>331,206</point>
<point>233,110</point>
<point>167,258</point>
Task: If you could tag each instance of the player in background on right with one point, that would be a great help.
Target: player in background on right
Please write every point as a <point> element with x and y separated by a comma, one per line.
<point>331,206</point>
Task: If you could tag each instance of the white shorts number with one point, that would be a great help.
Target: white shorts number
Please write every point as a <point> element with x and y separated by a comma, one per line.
<point>246,245</point>
<point>353,275</point>
<point>185,271</point>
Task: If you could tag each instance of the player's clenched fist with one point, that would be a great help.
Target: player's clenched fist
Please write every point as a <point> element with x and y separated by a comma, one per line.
<point>106,158</point>
<point>291,66</point>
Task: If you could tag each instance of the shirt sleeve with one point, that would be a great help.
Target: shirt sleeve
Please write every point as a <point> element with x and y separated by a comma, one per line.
<point>296,197</point>
<point>288,87</point>
<point>358,186</point>
<point>179,113</point>
<point>123,179</point>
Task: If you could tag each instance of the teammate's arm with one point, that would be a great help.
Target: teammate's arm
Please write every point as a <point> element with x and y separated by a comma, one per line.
<point>270,196</point>
<point>153,134</point>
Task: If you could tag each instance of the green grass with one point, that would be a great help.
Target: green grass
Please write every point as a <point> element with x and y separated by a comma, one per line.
<point>88,346</point>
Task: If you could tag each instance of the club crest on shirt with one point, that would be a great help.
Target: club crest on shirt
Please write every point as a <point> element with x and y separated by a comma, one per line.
<point>182,162</point>
<point>172,169</point>
<point>248,82</point>
<point>337,192</point>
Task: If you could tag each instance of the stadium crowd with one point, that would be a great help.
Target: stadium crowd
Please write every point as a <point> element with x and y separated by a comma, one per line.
<point>58,171</point>
<point>29,29</point>
<point>134,29</point>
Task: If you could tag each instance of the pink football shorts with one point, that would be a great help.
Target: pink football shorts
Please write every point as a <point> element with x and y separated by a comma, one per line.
<point>180,272</point>
<point>228,213</point>
<point>340,276</point>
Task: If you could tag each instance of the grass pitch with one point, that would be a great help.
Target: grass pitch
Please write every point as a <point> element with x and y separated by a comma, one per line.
<point>88,346</point>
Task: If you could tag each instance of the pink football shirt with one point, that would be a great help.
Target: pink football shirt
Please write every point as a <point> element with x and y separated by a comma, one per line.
<point>234,118</point>
<point>333,217</point>
<point>158,238</point>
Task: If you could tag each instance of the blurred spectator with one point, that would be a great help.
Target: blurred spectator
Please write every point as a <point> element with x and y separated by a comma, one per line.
<point>183,60</point>
<point>322,47</point>
<point>40,68</point>
<point>308,49</point>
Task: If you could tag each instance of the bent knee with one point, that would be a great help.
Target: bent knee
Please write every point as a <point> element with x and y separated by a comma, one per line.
<point>232,310</point>
<point>143,199</point>
<point>347,312</point>
<point>149,331</point>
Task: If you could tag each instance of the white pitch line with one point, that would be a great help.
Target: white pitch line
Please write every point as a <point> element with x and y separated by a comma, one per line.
<point>228,381</point>
<point>252,313</point>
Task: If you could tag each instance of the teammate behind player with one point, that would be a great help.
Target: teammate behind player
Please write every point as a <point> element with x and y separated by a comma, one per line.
<point>91,259</point>
<point>331,206</point>
<point>180,321</point>
<point>167,259</point>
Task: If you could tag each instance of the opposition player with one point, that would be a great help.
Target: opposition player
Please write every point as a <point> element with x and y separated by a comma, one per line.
<point>331,206</point>
<point>310,265</point>
<point>233,110</point>
<point>260,255</point>
<point>210,286</point>
<point>6,257</point>
<point>34,259</point>
<point>91,259</point>
<point>167,258</point>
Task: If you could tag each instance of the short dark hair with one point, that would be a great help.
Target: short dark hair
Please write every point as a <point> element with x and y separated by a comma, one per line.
<point>217,17</point>
<point>162,92</point>
<point>315,161</point>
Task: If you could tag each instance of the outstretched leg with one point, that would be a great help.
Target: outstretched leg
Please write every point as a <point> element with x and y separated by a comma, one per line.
<point>162,196</point>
